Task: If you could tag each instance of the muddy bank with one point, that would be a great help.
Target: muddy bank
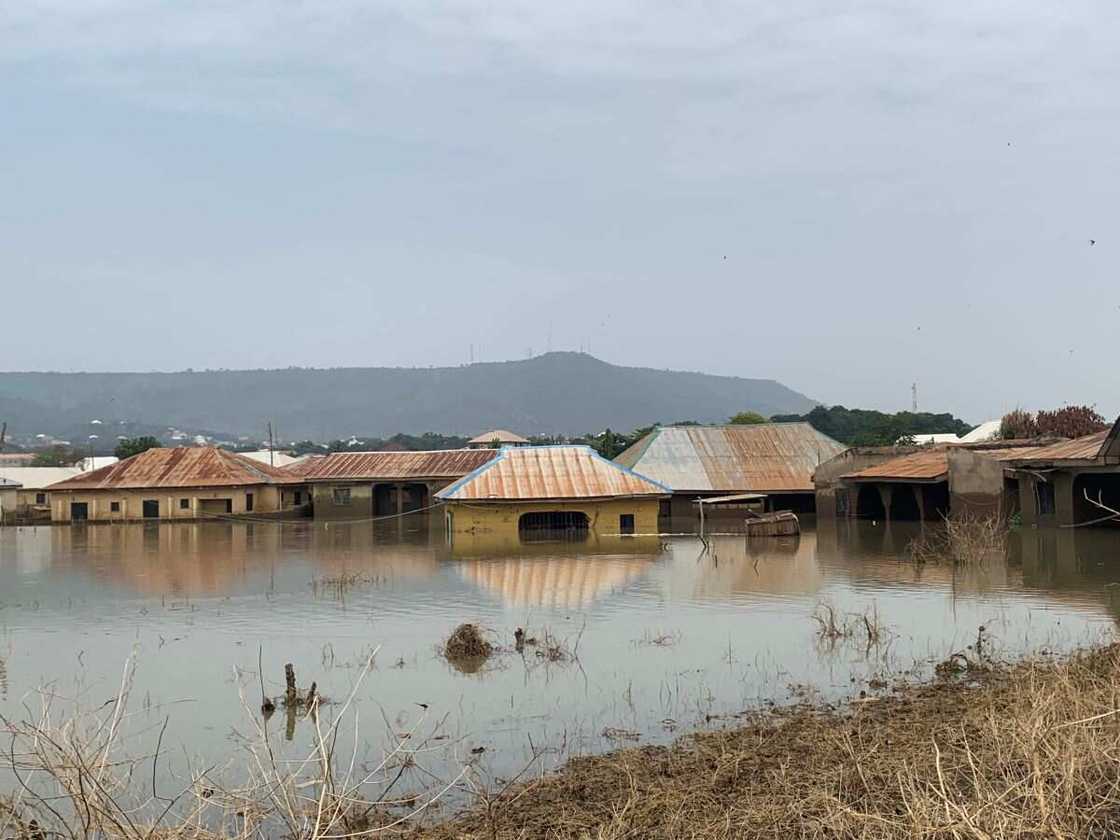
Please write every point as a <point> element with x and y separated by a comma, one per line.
<point>1024,750</point>
<point>1017,751</point>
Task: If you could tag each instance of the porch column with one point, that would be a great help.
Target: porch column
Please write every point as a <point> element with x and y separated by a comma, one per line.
<point>886,494</point>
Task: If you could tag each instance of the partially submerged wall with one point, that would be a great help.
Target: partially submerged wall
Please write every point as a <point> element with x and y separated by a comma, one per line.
<point>833,496</point>
<point>976,486</point>
<point>172,503</point>
<point>503,518</point>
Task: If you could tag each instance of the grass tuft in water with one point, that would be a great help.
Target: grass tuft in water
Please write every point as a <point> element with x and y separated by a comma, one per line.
<point>967,541</point>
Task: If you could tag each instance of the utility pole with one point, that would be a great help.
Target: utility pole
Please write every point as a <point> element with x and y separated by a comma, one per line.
<point>271,460</point>
<point>914,394</point>
<point>3,434</point>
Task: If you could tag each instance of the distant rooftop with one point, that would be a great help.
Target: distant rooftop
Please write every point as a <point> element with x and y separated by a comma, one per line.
<point>498,436</point>
<point>273,458</point>
<point>37,478</point>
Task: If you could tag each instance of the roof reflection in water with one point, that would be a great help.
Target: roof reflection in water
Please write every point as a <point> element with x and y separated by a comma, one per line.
<point>217,558</point>
<point>883,560</point>
<point>735,565</point>
<point>564,576</point>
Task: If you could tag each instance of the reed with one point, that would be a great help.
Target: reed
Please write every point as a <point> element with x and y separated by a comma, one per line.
<point>1022,751</point>
<point>966,541</point>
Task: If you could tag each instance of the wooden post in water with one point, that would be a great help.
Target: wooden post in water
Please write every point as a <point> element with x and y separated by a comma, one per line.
<point>291,696</point>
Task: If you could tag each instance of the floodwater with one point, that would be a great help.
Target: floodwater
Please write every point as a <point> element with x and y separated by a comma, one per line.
<point>656,635</point>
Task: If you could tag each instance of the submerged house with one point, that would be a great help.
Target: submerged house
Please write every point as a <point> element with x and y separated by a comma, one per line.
<point>179,483</point>
<point>357,485</point>
<point>9,491</point>
<point>920,483</point>
<point>1074,483</point>
<point>543,491</point>
<point>774,459</point>
<point>30,501</point>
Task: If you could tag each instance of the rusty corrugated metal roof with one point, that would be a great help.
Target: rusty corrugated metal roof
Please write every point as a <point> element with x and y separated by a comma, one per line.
<point>377,466</point>
<point>526,473</point>
<point>932,464</point>
<point>1086,448</point>
<point>928,465</point>
<point>203,466</point>
<point>764,458</point>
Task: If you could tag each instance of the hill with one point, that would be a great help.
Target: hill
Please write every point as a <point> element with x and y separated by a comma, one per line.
<point>557,393</point>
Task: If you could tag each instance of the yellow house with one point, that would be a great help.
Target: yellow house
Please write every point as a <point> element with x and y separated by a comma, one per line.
<point>544,493</point>
<point>181,483</point>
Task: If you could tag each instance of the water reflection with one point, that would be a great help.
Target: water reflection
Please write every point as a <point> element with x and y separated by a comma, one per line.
<point>550,581</point>
<point>734,565</point>
<point>736,618</point>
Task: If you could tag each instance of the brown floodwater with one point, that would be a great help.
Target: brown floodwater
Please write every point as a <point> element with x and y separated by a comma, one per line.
<point>660,636</point>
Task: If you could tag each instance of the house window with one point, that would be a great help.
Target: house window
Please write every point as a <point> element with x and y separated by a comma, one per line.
<point>114,507</point>
<point>341,495</point>
<point>40,498</point>
<point>299,498</point>
<point>1046,504</point>
<point>249,502</point>
<point>553,526</point>
<point>184,504</point>
<point>626,523</point>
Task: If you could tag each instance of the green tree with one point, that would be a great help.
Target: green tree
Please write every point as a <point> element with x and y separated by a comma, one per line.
<point>56,456</point>
<point>862,427</point>
<point>747,418</point>
<point>134,446</point>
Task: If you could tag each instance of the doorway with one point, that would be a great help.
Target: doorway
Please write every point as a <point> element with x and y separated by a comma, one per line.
<point>151,508</point>
<point>79,511</point>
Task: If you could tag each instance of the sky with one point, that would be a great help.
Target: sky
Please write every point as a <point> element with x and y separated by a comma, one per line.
<point>848,196</point>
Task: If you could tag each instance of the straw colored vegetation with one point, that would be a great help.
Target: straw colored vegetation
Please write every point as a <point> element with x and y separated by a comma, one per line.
<point>467,648</point>
<point>969,541</point>
<point>1027,750</point>
<point>833,626</point>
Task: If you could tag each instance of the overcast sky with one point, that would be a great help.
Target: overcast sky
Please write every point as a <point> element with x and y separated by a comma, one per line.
<point>843,196</point>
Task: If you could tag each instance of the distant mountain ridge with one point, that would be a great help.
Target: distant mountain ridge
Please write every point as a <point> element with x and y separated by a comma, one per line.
<point>556,393</point>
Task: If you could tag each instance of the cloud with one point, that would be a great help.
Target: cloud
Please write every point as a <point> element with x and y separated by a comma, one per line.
<point>597,154</point>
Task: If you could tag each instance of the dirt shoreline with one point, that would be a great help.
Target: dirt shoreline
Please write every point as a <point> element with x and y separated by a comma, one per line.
<point>1024,750</point>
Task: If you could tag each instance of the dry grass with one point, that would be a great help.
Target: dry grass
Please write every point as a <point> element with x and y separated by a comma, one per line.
<point>834,627</point>
<point>969,541</point>
<point>467,648</point>
<point>73,779</point>
<point>1028,751</point>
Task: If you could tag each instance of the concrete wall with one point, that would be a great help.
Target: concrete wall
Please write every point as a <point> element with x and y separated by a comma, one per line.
<point>1070,507</point>
<point>1030,491</point>
<point>363,497</point>
<point>266,500</point>
<point>975,484</point>
<point>360,505</point>
<point>502,518</point>
<point>8,503</point>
